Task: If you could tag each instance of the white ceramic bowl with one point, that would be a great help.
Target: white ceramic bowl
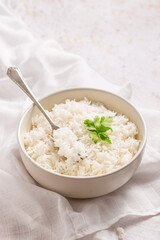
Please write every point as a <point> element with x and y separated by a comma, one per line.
<point>83,187</point>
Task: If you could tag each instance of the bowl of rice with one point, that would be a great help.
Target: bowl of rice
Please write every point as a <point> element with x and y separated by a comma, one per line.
<point>97,148</point>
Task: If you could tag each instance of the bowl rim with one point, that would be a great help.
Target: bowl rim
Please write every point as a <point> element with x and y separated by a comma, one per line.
<point>143,143</point>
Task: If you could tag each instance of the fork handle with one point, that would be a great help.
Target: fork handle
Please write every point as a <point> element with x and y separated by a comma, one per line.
<point>15,75</point>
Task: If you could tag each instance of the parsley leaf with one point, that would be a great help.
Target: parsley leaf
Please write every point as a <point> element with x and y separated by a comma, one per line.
<point>108,119</point>
<point>105,128</point>
<point>89,125</point>
<point>97,122</point>
<point>99,126</point>
<point>94,137</point>
<point>104,138</point>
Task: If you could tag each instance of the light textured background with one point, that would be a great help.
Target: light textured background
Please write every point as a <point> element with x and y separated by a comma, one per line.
<point>120,39</point>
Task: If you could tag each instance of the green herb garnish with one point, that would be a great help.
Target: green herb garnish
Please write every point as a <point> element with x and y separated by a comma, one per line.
<point>98,127</point>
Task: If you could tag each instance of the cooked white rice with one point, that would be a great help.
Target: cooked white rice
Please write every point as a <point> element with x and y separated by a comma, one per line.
<point>72,152</point>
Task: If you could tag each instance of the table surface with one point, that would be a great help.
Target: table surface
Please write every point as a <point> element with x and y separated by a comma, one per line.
<point>120,39</point>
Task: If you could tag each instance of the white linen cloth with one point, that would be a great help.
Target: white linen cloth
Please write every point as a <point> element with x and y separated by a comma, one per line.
<point>28,211</point>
